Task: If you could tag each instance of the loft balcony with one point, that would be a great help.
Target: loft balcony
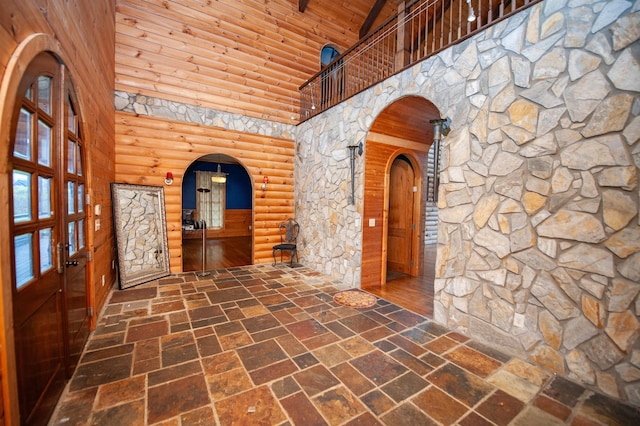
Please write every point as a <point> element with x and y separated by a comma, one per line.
<point>420,29</point>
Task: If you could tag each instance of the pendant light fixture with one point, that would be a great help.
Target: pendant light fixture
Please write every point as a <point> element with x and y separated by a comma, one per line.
<point>472,14</point>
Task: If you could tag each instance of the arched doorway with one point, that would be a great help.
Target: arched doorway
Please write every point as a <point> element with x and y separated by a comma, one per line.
<point>398,195</point>
<point>216,189</point>
<point>48,233</point>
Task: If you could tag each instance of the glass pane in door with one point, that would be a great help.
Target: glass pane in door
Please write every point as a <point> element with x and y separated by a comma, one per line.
<point>44,93</point>
<point>79,172</point>
<point>71,197</point>
<point>44,144</point>
<point>73,247</point>
<point>81,234</point>
<point>22,144</point>
<point>44,198</point>
<point>46,249</point>
<point>80,198</point>
<point>71,157</point>
<point>23,247</point>
<point>21,196</point>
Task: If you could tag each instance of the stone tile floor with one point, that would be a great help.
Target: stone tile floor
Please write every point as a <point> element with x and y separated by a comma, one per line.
<point>259,345</point>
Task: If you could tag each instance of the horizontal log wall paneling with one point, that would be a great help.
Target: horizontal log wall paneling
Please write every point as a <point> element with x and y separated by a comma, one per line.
<point>237,223</point>
<point>245,57</point>
<point>146,148</point>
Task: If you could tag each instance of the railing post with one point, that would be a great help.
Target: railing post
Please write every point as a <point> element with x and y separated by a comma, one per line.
<point>403,41</point>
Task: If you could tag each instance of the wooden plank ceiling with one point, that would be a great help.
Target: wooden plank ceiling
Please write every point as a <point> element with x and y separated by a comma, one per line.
<point>365,15</point>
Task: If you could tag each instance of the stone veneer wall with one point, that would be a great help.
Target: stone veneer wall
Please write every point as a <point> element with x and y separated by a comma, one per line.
<point>539,236</point>
<point>178,111</point>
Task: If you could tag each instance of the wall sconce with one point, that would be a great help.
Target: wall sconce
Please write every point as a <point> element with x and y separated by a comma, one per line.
<point>168,180</point>
<point>472,14</point>
<point>352,157</point>
<point>265,181</point>
<point>441,127</point>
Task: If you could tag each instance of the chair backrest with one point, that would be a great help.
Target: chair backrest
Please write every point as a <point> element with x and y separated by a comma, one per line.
<point>289,231</point>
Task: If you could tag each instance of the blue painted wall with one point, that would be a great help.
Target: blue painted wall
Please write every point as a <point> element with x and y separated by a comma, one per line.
<point>239,186</point>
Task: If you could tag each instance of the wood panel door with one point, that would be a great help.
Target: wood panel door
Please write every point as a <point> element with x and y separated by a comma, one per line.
<point>400,219</point>
<point>50,309</point>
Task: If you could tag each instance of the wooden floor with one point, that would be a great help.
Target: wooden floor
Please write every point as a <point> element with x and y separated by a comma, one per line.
<point>413,293</point>
<point>221,253</point>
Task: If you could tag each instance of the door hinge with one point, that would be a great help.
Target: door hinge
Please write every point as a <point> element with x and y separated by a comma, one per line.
<point>411,263</point>
<point>90,311</point>
<point>89,256</point>
<point>413,226</point>
<point>87,199</point>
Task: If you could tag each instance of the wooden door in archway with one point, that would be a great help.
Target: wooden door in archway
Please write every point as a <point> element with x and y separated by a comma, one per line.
<point>48,226</point>
<point>400,220</point>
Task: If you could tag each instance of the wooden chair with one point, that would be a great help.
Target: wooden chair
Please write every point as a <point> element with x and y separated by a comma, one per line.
<point>288,234</point>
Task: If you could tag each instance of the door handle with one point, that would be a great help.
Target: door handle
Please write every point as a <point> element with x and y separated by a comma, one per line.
<point>71,263</point>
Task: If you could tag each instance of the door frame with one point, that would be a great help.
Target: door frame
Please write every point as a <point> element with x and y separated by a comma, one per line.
<point>23,55</point>
<point>212,234</point>
<point>416,267</point>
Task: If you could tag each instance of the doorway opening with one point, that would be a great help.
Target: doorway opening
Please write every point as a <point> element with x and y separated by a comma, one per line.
<point>399,251</point>
<point>48,234</point>
<point>217,214</point>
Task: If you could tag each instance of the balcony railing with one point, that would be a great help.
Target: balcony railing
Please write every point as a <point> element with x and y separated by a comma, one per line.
<point>421,29</point>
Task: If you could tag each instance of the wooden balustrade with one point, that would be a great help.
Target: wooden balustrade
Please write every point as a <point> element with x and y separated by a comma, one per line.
<point>419,30</point>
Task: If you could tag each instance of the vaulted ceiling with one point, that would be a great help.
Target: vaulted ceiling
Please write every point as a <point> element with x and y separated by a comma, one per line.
<point>365,15</point>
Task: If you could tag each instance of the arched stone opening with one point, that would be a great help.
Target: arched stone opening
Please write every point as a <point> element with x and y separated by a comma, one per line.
<point>401,131</point>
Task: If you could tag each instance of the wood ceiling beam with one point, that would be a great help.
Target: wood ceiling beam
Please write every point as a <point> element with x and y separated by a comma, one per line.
<point>371,17</point>
<point>302,5</point>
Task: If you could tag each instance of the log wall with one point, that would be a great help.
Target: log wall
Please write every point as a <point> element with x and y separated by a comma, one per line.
<point>246,57</point>
<point>81,34</point>
<point>237,223</point>
<point>147,147</point>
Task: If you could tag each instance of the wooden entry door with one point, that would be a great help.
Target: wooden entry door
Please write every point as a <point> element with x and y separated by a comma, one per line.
<point>49,285</point>
<point>400,225</point>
